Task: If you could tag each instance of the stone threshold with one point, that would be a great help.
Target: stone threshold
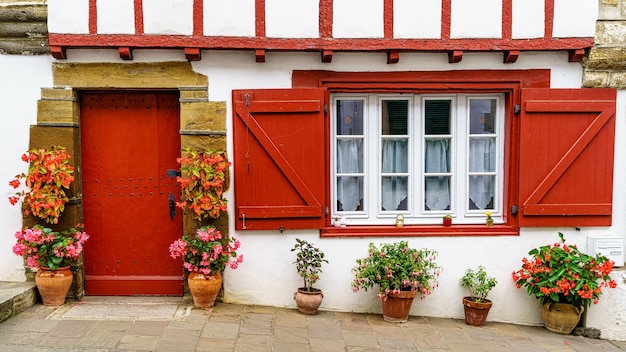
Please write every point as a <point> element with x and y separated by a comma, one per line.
<point>16,297</point>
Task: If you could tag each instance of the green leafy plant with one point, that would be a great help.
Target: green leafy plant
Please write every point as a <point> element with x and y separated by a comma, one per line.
<point>308,262</point>
<point>477,283</point>
<point>561,273</point>
<point>202,179</point>
<point>207,251</point>
<point>447,217</point>
<point>397,267</point>
<point>49,175</point>
<point>43,247</point>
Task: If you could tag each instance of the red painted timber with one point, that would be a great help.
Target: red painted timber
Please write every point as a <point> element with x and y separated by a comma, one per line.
<point>507,19</point>
<point>93,17</point>
<point>198,17</point>
<point>388,19</point>
<point>139,17</point>
<point>316,44</point>
<point>326,18</point>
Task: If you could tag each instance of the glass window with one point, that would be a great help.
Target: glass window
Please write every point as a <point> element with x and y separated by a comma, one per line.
<point>421,156</point>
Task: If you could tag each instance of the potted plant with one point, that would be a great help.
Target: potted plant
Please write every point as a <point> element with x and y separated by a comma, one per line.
<point>476,306</point>
<point>565,280</point>
<point>202,178</point>
<point>401,273</point>
<point>488,219</point>
<point>309,260</point>
<point>447,220</point>
<point>205,255</point>
<point>48,251</point>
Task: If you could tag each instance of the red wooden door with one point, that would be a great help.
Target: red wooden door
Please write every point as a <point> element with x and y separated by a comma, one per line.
<point>128,142</point>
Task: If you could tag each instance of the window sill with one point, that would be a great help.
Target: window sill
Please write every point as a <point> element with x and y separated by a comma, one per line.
<point>420,230</point>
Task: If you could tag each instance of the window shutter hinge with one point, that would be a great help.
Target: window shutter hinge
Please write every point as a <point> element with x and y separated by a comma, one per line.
<point>517,109</point>
<point>326,210</point>
<point>325,109</point>
<point>514,210</point>
<point>247,99</point>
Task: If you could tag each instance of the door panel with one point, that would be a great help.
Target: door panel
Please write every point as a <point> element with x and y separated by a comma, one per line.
<point>128,141</point>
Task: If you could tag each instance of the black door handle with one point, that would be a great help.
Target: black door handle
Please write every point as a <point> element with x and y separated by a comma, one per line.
<point>172,205</point>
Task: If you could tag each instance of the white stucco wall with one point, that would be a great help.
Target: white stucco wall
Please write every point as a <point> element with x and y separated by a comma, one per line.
<point>22,79</point>
<point>351,18</point>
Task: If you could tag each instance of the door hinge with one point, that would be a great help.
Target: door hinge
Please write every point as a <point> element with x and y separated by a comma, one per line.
<point>517,109</point>
<point>247,99</point>
<point>514,209</point>
<point>325,108</point>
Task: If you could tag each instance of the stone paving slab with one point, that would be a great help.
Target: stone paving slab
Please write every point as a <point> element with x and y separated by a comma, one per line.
<point>241,328</point>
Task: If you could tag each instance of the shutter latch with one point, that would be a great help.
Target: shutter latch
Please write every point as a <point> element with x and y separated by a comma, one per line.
<point>514,209</point>
<point>247,99</point>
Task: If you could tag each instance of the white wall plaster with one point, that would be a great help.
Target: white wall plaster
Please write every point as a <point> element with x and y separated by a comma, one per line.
<point>358,19</point>
<point>20,88</point>
<point>68,16</point>
<point>575,18</point>
<point>292,19</point>
<point>528,19</point>
<point>417,19</point>
<point>168,17</point>
<point>116,16</point>
<point>470,20</point>
<point>229,18</point>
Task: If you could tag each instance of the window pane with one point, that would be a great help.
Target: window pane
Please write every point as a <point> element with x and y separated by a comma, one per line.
<point>349,117</point>
<point>395,117</point>
<point>437,155</point>
<point>482,155</point>
<point>482,116</point>
<point>395,155</point>
<point>349,193</point>
<point>437,116</point>
<point>394,193</point>
<point>349,156</point>
<point>437,195</point>
<point>481,192</point>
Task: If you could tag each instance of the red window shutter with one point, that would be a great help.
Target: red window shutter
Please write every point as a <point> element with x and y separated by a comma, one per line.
<point>279,159</point>
<point>566,157</point>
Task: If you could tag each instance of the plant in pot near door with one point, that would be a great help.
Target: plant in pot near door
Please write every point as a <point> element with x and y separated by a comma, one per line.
<point>565,280</point>
<point>476,306</point>
<point>309,260</point>
<point>205,255</point>
<point>401,273</point>
<point>48,251</point>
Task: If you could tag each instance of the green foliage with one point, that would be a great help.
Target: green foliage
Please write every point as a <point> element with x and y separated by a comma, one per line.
<point>478,284</point>
<point>308,262</point>
<point>397,267</point>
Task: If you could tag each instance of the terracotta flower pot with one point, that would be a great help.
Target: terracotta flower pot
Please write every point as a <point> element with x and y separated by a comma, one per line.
<point>204,288</point>
<point>53,285</point>
<point>396,307</point>
<point>476,312</point>
<point>308,301</point>
<point>561,318</point>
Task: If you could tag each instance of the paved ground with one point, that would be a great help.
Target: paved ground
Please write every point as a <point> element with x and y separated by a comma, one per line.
<point>170,324</point>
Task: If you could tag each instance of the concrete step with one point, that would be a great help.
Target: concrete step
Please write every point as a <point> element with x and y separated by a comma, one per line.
<point>15,297</point>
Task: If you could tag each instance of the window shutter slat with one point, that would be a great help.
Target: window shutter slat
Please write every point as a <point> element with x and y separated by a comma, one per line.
<point>279,159</point>
<point>566,157</point>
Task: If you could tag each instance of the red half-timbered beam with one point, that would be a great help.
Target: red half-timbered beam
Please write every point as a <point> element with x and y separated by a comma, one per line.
<point>126,53</point>
<point>198,17</point>
<point>315,44</point>
<point>327,56</point>
<point>455,56</point>
<point>507,19</point>
<point>139,17</point>
<point>388,19</point>
<point>259,21</point>
<point>576,55</point>
<point>326,18</point>
<point>93,17</point>
<point>446,18</point>
<point>193,54</point>
<point>510,56</point>
<point>549,19</point>
<point>393,57</point>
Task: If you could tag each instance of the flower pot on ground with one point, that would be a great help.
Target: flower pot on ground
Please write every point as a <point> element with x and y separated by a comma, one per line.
<point>51,252</point>
<point>561,318</point>
<point>396,269</point>
<point>206,253</point>
<point>309,260</point>
<point>560,273</point>
<point>476,306</point>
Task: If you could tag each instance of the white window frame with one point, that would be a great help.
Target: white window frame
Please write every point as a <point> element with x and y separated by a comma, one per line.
<point>460,139</point>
